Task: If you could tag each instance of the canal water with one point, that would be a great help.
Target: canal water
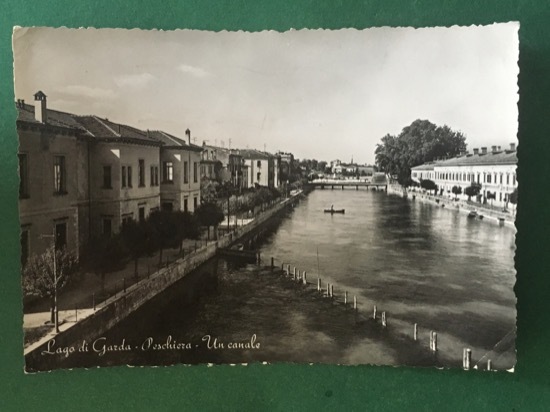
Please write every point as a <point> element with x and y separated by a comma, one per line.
<point>418,262</point>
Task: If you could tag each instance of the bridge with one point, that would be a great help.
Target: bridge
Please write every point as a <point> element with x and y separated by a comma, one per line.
<point>375,184</point>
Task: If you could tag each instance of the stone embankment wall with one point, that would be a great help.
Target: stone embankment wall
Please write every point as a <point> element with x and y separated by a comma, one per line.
<point>122,305</point>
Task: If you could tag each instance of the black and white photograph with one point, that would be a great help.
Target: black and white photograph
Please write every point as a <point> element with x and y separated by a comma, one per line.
<point>343,197</point>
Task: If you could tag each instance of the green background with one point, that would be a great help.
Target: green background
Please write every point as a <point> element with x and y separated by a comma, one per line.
<point>289,387</point>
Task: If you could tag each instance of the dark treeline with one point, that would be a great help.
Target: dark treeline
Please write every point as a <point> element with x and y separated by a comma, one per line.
<point>418,143</point>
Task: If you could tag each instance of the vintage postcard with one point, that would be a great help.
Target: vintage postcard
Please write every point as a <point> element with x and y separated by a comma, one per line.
<point>343,197</point>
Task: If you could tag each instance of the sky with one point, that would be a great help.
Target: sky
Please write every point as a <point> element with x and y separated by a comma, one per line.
<point>319,94</point>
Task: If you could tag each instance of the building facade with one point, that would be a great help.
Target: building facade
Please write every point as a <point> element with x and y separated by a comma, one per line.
<point>53,205</point>
<point>494,170</point>
<point>82,177</point>
<point>180,179</point>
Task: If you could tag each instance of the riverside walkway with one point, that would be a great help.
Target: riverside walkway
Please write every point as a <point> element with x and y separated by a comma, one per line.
<point>79,302</point>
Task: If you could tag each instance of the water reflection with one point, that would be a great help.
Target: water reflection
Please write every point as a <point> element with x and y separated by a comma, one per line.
<point>418,262</point>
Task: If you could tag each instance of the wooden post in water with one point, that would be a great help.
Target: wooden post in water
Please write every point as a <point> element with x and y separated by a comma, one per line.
<point>354,302</point>
<point>345,298</point>
<point>374,313</point>
<point>288,270</point>
<point>415,331</point>
<point>331,291</point>
<point>431,339</point>
<point>488,364</point>
<point>318,284</point>
<point>434,348</point>
<point>328,289</point>
<point>272,263</point>
<point>294,273</point>
<point>466,358</point>
<point>283,266</point>
<point>304,278</point>
<point>384,319</point>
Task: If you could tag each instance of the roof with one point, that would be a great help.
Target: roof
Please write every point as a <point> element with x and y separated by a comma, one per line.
<point>103,129</point>
<point>504,157</point>
<point>55,118</point>
<point>253,154</point>
<point>171,141</point>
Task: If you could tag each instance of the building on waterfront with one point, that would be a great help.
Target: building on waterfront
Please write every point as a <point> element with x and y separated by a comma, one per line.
<point>215,163</point>
<point>54,198</point>
<point>494,170</point>
<point>180,180</point>
<point>83,176</point>
<point>262,167</point>
<point>238,170</point>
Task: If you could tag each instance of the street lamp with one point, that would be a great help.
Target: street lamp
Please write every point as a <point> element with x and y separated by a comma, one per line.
<point>55,311</point>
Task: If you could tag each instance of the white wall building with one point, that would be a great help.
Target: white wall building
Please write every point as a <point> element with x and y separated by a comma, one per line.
<point>494,170</point>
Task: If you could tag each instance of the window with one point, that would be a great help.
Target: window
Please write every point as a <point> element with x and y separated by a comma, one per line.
<point>514,179</point>
<point>141,173</point>
<point>123,176</point>
<point>258,176</point>
<point>195,172</point>
<point>507,179</point>
<point>23,176</point>
<point>168,172</point>
<point>209,170</point>
<point>195,203</point>
<point>127,218</point>
<point>141,213</point>
<point>60,235</point>
<point>185,206</point>
<point>24,246</point>
<point>107,227</point>
<point>501,178</point>
<point>59,174</point>
<point>154,175</point>
<point>489,177</point>
<point>259,163</point>
<point>185,172</point>
<point>129,176</point>
<point>107,177</point>
<point>167,206</point>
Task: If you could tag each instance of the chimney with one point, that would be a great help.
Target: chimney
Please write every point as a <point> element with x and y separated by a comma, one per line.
<point>483,150</point>
<point>513,147</point>
<point>40,110</point>
<point>188,134</point>
<point>476,151</point>
<point>493,149</point>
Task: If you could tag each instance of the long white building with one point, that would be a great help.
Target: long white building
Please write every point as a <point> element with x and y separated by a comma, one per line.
<point>494,170</point>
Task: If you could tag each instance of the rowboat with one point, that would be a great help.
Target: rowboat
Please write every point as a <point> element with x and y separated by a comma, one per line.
<point>332,211</point>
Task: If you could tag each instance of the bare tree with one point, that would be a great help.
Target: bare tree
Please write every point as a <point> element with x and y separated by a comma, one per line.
<point>46,274</point>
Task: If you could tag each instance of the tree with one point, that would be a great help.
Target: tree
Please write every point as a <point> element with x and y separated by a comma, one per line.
<point>491,196</point>
<point>209,190</point>
<point>47,274</point>
<point>164,230</point>
<point>187,227</point>
<point>418,143</point>
<point>209,214</point>
<point>104,254</point>
<point>138,239</point>
<point>513,198</point>
<point>472,190</point>
<point>457,190</point>
<point>429,185</point>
